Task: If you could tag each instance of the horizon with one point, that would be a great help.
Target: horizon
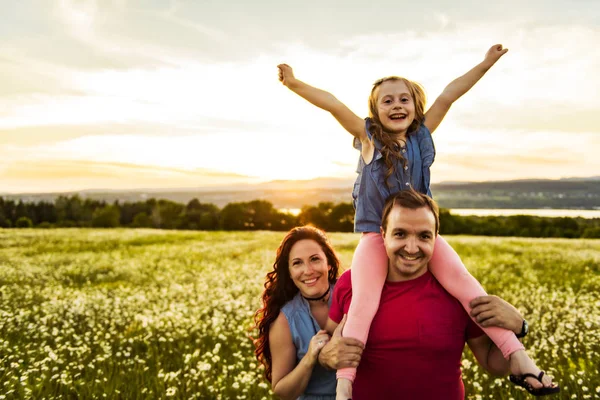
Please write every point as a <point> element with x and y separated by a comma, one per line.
<point>122,95</point>
<point>229,187</point>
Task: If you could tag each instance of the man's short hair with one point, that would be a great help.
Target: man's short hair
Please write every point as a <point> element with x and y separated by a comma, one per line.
<point>413,200</point>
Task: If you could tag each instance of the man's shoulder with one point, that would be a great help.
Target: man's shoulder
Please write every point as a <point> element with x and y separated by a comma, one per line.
<point>453,309</point>
<point>345,279</point>
<point>342,295</point>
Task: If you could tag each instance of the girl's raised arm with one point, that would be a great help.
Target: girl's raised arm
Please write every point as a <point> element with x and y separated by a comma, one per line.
<point>324,100</point>
<point>460,86</point>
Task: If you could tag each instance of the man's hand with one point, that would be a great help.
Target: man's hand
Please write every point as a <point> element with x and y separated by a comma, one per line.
<point>341,352</point>
<point>493,311</point>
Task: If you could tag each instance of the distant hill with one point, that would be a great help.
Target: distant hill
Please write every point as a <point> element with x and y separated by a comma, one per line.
<point>534,193</point>
<point>582,193</point>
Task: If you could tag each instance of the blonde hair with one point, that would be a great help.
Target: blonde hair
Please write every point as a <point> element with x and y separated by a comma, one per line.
<point>389,148</point>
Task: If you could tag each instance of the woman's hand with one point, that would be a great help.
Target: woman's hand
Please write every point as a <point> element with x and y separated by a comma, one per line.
<point>286,74</point>
<point>316,344</point>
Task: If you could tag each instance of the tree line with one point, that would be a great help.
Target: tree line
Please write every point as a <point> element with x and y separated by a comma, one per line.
<point>73,211</point>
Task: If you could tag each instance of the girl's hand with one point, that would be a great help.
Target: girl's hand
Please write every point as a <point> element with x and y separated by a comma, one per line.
<point>494,54</point>
<point>316,344</point>
<point>286,74</point>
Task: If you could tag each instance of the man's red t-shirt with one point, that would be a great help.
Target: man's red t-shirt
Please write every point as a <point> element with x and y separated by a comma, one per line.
<point>415,343</point>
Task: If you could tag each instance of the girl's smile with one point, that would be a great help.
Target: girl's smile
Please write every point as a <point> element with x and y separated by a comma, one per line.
<point>395,106</point>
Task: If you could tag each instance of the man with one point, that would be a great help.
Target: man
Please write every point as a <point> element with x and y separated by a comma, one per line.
<point>418,334</point>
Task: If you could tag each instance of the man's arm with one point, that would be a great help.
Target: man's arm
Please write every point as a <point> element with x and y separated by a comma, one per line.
<point>460,86</point>
<point>340,352</point>
<point>488,355</point>
<point>493,311</point>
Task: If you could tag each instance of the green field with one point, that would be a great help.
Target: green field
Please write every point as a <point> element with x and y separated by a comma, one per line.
<point>137,314</point>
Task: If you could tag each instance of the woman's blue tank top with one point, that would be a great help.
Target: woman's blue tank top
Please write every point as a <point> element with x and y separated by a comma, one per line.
<point>303,327</point>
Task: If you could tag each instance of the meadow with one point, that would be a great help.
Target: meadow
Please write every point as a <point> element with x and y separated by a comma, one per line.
<point>136,314</point>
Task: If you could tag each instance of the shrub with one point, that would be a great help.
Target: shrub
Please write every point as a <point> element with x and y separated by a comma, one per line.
<point>23,222</point>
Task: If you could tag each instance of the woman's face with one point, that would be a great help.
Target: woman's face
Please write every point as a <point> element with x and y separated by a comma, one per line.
<point>309,268</point>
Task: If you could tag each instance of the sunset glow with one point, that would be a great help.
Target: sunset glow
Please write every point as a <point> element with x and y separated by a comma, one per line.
<point>124,94</point>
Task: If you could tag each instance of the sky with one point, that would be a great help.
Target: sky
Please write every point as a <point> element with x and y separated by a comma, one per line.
<point>125,94</point>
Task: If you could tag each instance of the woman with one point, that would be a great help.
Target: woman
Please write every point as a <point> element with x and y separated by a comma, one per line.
<point>295,308</point>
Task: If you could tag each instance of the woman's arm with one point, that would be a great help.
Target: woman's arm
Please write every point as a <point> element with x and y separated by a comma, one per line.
<point>460,86</point>
<point>324,100</point>
<point>488,355</point>
<point>290,380</point>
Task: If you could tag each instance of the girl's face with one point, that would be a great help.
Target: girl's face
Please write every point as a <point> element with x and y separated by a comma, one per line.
<point>395,106</point>
<point>309,268</point>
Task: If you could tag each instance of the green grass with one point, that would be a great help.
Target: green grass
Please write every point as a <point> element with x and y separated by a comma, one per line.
<point>137,314</point>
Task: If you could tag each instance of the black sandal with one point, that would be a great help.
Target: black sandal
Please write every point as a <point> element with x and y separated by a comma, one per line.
<point>519,380</point>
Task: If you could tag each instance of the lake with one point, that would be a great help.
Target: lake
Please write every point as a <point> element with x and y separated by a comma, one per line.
<point>539,212</point>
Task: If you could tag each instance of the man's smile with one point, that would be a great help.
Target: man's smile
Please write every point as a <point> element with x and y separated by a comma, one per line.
<point>409,257</point>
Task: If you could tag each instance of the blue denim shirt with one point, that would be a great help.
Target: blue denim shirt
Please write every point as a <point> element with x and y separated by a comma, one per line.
<point>303,327</point>
<point>370,190</point>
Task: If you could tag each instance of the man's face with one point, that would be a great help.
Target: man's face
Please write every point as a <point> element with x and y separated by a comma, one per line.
<point>409,240</point>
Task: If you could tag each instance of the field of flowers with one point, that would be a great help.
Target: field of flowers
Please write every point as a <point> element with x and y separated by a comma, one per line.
<point>136,314</point>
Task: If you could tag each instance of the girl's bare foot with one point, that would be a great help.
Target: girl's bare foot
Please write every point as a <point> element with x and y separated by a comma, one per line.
<point>343,391</point>
<point>520,364</point>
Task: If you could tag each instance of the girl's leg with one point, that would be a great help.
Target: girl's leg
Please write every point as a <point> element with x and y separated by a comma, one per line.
<point>446,266</point>
<point>369,270</point>
<point>449,270</point>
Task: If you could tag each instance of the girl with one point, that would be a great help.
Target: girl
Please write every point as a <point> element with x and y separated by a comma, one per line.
<point>396,153</point>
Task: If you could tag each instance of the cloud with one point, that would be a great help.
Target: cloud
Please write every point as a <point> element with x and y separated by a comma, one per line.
<point>442,19</point>
<point>66,175</point>
<point>504,154</point>
<point>22,76</point>
<point>176,95</point>
<point>180,86</point>
<point>175,85</point>
<point>25,136</point>
<point>77,168</point>
<point>124,31</point>
<point>568,119</point>
<point>28,136</point>
<point>208,32</point>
